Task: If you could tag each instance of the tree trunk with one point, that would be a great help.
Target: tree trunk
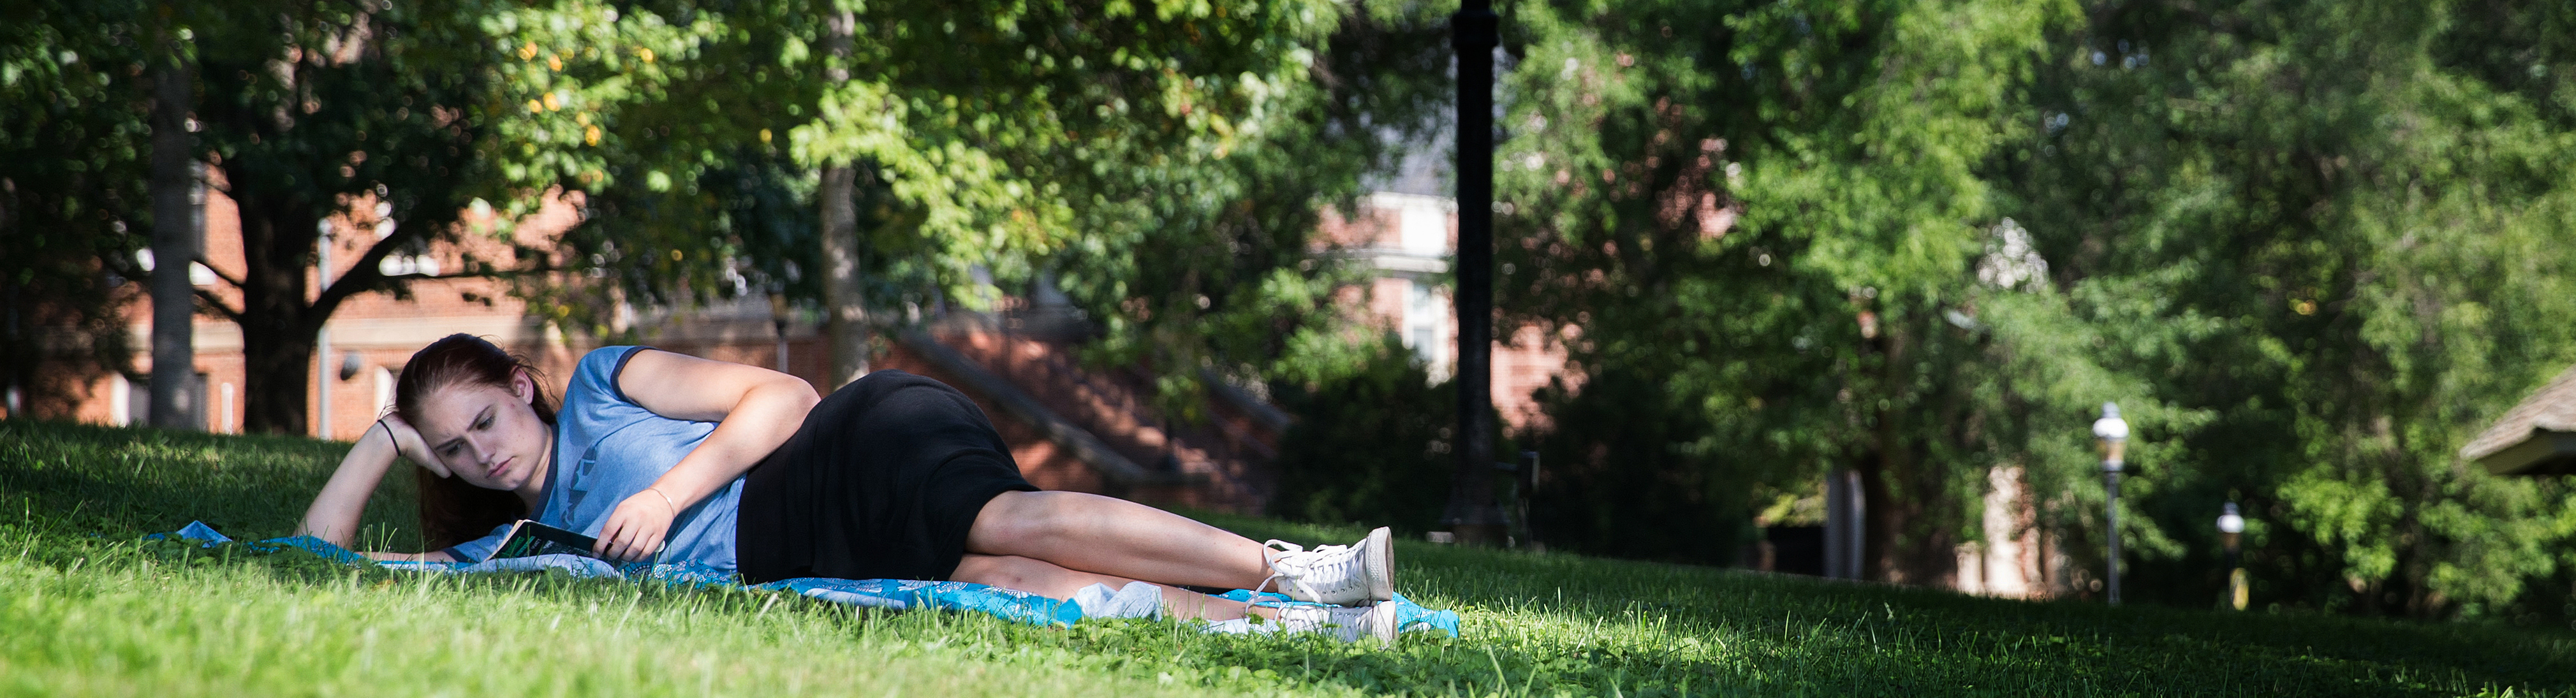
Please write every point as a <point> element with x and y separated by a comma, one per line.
<point>277,370</point>
<point>844,296</point>
<point>1878,531</point>
<point>1909,539</point>
<point>175,399</point>
<point>276,320</point>
<point>1913,541</point>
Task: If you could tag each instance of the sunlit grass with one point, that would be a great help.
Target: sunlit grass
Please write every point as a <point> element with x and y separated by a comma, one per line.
<point>86,608</point>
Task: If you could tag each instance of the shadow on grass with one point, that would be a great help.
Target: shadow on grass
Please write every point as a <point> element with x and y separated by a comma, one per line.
<point>69,481</point>
<point>1589,625</point>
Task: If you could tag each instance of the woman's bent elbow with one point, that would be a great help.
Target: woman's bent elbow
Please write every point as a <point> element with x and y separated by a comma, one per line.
<point>802,399</point>
<point>795,391</point>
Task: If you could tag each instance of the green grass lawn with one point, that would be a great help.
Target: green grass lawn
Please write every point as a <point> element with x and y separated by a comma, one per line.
<point>86,608</point>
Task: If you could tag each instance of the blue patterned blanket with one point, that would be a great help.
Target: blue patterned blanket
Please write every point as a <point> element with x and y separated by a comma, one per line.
<point>1138,600</point>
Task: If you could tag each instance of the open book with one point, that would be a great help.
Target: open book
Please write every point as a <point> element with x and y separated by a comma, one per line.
<point>530,539</point>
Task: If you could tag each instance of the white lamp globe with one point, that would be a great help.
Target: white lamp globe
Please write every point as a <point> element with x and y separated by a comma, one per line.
<point>2111,427</point>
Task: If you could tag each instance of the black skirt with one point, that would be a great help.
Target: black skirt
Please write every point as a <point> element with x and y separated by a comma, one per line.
<point>882,481</point>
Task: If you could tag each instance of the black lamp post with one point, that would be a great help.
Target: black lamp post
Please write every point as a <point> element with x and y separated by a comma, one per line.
<point>2231,532</point>
<point>2113,434</point>
<point>1472,514</point>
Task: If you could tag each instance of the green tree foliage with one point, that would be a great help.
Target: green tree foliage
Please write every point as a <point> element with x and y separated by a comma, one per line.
<point>73,152</point>
<point>1157,158</point>
<point>1609,481</point>
<point>1164,162</point>
<point>2310,248</point>
<point>308,112</point>
<point>1211,263</point>
<point>311,110</point>
<point>667,122</point>
<point>1371,445</point>
<point>1771,220</point>
<point>2340,230</point>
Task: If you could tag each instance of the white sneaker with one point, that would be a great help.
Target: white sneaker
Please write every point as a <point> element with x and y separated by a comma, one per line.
<point>1342,575</point>
<point>1348,624</point>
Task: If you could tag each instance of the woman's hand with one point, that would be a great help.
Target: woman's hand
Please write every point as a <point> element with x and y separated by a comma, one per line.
<point>636,529</point>
<point>334,514</point>
<point>755,410</point>
<point>410,446</point>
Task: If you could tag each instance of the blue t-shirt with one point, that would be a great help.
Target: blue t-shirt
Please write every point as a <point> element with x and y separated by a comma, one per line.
<point>607,448</point>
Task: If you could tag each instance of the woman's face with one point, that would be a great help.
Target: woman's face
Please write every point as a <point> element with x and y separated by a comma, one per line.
<point>488,435</point>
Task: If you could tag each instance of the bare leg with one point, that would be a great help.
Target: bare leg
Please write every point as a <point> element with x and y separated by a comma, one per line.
<point>1048,579</point>
<point>1116,537</point>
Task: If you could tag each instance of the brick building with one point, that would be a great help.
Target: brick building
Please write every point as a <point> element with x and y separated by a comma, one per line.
<point>1071,427</point>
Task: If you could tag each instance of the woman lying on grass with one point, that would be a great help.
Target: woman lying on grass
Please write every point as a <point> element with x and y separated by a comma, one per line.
<point>671,458</point>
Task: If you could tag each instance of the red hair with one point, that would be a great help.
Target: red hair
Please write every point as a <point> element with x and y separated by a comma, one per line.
<point>452,511</point>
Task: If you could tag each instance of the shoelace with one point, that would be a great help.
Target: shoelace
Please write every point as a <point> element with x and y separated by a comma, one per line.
<point>1286,547</point>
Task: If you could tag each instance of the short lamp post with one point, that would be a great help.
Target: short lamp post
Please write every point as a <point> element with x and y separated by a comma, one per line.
<point>2231,533</point>
<point>2113,434</point>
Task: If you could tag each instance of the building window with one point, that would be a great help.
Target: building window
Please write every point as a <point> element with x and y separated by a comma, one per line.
<point>230,425</point>
<point>1424,228</point>
<point>1425,320</point>
<point>127,400</point>
<point>384,391</point>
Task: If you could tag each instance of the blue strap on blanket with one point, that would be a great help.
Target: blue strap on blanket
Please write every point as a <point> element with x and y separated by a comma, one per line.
<point>893,594</point>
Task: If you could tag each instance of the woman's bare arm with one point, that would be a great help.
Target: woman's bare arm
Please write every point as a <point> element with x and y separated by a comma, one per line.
<point>755,409</point>
<point>336,510</point>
